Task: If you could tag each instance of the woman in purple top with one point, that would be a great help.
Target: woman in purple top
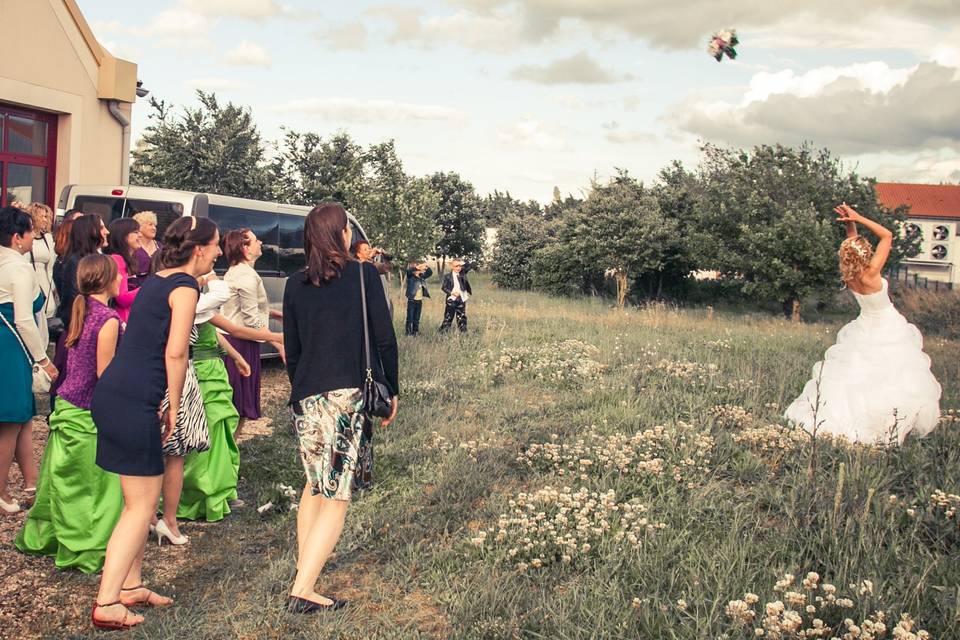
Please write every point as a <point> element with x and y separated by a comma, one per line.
<point>78,503</point>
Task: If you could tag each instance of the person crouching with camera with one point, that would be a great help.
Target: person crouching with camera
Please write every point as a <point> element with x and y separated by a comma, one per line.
<point>417,275</point>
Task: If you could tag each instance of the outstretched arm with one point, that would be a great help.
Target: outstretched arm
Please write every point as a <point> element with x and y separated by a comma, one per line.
<point>849,216</point>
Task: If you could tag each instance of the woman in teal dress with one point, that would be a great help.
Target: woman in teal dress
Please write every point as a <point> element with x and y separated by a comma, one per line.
<point>21,345</point>
<point>78,503</point>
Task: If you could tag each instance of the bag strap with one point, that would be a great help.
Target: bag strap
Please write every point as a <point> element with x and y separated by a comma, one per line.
<point>19,339</point>
<point>366,331</point>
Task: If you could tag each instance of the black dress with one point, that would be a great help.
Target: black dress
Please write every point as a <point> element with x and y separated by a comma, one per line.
<point>128,394</point>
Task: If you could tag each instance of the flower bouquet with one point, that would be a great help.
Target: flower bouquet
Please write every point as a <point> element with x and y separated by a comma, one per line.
<point>723,42</point>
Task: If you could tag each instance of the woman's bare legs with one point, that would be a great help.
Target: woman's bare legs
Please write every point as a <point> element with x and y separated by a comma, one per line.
<point>24,456</point>
<point>125,548</point>
<point>8,444</point>
<point>319,525</point>
<point>172,488</point>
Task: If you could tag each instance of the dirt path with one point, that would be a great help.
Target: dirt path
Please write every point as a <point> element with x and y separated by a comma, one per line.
<point>36,596</point>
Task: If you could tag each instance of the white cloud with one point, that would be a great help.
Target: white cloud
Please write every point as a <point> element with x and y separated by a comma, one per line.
<point>366,111</point>
<point>631,137</point>
<point>853,110</point>
<point>530,133</point>
<point>248,54</point>
<point>351,36</point>
<point>932,167</point>
<point>579,68</point>
<point>245,9</point>
<point>686,24</point>
<point>216,84</point>
<point>497,30</point>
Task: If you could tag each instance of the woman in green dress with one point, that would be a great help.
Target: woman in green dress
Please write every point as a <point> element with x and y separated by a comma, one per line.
<point>210,477</point>
<point>78,503</point>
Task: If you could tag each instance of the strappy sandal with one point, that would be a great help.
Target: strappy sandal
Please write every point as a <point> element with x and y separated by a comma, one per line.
<point>111,625</point>
<point>145,602</point>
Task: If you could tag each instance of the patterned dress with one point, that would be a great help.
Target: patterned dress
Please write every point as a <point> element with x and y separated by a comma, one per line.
<point>335,439</point>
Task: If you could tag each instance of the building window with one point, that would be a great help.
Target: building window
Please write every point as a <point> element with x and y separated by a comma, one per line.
<point>28,142</point>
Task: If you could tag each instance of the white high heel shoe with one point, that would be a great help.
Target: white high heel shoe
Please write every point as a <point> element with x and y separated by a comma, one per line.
<point>10,507</point>
<point>163,531</point>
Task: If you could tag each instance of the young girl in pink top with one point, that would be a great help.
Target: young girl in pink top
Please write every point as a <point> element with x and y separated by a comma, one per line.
<point>124,242</point>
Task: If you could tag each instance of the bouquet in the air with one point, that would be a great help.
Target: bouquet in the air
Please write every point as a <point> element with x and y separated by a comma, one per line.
<point>723,42</point>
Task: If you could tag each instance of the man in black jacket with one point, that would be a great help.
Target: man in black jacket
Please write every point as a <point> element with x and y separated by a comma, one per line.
<point>417,275</point>
<point>457,288</point>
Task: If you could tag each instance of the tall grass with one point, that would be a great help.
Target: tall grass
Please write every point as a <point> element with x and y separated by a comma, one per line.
<point>420,555</point>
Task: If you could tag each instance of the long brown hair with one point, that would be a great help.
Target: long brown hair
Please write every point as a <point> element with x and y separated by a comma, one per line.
<point>61,242</point>
<point>95,272</point>
<point>85,235</point>
<point>323,242</point>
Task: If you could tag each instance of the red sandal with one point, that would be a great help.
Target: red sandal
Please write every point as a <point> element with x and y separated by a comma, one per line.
<point>110,625</point>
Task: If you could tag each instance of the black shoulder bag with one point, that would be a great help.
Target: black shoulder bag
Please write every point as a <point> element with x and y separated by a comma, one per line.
<point>377,400</point>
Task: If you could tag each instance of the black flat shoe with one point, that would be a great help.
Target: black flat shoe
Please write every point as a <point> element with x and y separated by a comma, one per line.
<point>302,605</point>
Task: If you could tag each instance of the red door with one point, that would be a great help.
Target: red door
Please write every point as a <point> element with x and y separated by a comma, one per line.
<point>28,149</point>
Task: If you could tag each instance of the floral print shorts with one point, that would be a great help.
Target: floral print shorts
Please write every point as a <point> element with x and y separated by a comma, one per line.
<point>335,443</point>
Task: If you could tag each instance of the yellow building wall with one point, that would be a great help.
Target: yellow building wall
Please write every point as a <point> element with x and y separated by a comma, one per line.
<point>48,63</point>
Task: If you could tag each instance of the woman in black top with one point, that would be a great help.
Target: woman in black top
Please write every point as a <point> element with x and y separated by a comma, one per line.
<point>151,359</point>
<point>323,337</point>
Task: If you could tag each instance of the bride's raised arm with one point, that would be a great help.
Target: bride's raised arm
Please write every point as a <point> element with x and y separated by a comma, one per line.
<point>881,253</point>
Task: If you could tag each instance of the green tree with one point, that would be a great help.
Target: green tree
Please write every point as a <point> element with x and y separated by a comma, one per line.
<point>521,235</point>
<point>210,148</point>
<point>459,217</point>
<point>398,211</point>
<point>766,219</point>
<point>498,206</point>
<point>618,232</point>
<point>309,169</point>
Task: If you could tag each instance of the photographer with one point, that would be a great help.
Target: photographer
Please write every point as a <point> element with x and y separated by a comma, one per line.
<point>417,275</point>
<point>457,288</point>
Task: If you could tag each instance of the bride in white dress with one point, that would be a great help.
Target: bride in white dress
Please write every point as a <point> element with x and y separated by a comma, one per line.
<point>875,383</point>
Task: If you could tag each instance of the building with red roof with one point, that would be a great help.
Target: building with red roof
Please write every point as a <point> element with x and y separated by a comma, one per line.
<point>935,217</point>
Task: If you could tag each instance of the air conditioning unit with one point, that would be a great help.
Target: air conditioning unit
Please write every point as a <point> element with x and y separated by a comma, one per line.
<point>913,230</point>
<point>941,232</point>
<point>939,252</point>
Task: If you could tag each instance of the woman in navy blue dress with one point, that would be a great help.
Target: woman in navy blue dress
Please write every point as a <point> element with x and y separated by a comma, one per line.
<point>151,359</point>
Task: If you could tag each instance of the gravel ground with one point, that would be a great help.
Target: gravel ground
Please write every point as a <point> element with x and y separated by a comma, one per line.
<point>35,595</point>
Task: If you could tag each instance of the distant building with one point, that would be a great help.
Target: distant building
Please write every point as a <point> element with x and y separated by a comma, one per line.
<point>65,103</point>
<point>935,218</point>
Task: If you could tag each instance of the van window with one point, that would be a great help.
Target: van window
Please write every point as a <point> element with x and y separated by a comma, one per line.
<point>108,208</point>
<point>166,212</point>
<point>292,256</point>
<point>262,223</point>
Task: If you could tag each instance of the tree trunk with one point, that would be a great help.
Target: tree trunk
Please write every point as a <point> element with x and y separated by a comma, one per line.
<point>442,265</point>
<point>795,314</point>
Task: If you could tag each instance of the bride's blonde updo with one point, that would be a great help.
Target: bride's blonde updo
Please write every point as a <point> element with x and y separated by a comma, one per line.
<point>855,255</point>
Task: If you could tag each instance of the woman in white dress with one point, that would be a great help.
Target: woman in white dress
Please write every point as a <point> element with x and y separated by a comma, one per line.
<point>874,385</point>
<point>42,257</point>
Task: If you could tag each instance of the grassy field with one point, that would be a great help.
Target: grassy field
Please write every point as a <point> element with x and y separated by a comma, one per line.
<point>567,470</point>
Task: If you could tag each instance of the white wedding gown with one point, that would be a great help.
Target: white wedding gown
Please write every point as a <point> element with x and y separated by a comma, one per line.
<point>876,383</point>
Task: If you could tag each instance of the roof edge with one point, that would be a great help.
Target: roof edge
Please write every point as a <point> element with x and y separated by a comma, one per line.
<point>93,45</point>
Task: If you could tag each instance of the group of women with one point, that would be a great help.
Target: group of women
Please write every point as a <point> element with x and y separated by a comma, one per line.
<point>157,362</point>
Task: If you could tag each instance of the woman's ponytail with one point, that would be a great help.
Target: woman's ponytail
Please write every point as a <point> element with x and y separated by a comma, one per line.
<point>94,274</point>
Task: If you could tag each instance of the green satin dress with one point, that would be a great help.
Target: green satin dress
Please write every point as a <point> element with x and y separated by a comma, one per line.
<point>210,477</point>
<point>77,503</point>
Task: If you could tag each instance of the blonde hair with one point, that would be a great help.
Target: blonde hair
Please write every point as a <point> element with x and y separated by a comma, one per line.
<point>145,216</point>
<point>855,255</point>
<point>42,216</point>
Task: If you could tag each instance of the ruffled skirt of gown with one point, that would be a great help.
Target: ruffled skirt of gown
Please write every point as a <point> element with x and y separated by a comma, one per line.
<point>876,385</point>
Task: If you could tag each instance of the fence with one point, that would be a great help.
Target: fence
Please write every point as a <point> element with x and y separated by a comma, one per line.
<point>901,276</point>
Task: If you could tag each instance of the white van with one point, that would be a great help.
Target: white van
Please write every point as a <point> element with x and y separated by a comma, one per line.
<point>279,226</point>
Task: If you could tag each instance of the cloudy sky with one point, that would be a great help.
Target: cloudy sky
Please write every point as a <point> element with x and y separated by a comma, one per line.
<point>527,94</point>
